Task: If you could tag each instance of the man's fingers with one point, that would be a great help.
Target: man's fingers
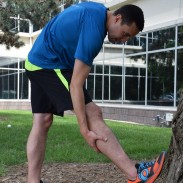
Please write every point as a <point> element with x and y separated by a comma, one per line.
<point>93,140</point>
<point>94,146</point>
<point>105,139</point>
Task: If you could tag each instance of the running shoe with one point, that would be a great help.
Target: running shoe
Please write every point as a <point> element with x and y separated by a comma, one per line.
<point>148,172</point>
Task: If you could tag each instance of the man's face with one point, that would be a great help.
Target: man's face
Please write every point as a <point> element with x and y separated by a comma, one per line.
<point>118,33</point>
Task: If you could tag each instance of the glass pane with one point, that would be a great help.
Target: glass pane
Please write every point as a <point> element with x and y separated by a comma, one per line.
<point>19,25</point>
<point>134,86</point>
<point>90,85</point>
<point>24,26</point>
<point>161,39</point>
<point>161,78</point>
<point>116,70</point>
<point>142,72</point>
<point>179,74</point>
<point>23,88</point>
<point>92,69</point>
<point>99,69</point>
<point>106,69</point>
<point>106,87</point>
<point>115,88</point>
<point>22,64</point>
<point>142,41</point>
<point>8,84</point>
<point>131,71</point>
<point>130,88</point>
<point>138,43</point>
<point>133,41</point>
<point>98,87</point>
<point>141,89</point>
<point>180,35</point>
<point>134,90</point>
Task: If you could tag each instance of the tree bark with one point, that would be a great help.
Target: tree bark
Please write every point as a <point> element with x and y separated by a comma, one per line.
<point>172,171</point>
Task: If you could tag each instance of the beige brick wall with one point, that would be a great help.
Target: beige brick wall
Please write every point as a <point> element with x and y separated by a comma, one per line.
<point>138,114</point>
<point>15,105</point>
<point>142,115</point>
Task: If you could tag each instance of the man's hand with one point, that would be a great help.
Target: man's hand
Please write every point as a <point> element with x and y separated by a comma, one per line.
<point>80,73</point>
<point>91,138</point>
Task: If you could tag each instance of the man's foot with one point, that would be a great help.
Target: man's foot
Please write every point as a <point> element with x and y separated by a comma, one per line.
<point>148,172</point>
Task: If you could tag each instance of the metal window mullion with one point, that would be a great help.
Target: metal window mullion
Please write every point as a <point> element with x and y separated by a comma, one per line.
<point>29,90</point>
<point>8,85</point>
<point>175,69</point>
<point>138,82</point>
<point>123,75</point>
<point>110,82</point>
<point>147,42</point>
<point>86,83</point>
<point>153,51</point>
<point>18,80</point>
<point>94,75</point>
<point>103,49</point>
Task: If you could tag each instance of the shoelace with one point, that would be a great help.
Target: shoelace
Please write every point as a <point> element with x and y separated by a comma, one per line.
<point>145,165</point>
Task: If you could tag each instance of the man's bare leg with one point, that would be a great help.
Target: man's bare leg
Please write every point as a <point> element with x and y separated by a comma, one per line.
<point>112,149</point>
<point>36,145</point>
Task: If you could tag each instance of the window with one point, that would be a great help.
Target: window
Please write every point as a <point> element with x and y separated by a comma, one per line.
<point>180,35</point>
<point>161,78</point>
<point>13,80</point>
<point>161,39</point>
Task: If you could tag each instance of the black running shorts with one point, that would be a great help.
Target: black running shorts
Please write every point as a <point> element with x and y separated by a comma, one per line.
<point>50,91</point>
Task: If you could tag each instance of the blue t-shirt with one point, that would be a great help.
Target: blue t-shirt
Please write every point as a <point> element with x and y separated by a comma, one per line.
<point>76,33</point>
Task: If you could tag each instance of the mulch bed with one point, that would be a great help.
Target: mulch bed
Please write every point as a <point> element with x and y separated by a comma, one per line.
<point>69,173</point>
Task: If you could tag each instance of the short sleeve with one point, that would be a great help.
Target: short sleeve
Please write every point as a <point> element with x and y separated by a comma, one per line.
<point>90,41</point>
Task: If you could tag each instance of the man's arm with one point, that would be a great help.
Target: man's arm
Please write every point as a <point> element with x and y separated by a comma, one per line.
<point>80,73</point>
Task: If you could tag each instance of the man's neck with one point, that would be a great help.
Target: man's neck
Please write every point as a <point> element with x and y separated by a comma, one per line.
<point>110,17</point>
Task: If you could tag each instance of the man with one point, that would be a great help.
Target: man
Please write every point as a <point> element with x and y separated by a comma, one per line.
<point>58,65</point>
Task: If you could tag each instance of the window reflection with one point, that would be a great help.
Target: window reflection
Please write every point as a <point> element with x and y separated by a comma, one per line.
<point>23,85</point>
<point>119,73</point>
<point>13,80</point>
<point>90,85</point>
<point>179,74</point>
<point>161,39</point>
<point>106,88</point>
<point>139,40</point>
<point>116,70</point>
<point>180,35</point>
<point>128,70</point>
<point>8,84</point>
<point>161,78</point>
<point>98,89</point>
<point>115,88</point>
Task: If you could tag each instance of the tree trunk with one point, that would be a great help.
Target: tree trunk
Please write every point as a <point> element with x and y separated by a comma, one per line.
<point>172,171</point>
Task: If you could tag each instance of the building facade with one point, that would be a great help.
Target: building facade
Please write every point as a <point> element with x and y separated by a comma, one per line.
<point>144,73</point>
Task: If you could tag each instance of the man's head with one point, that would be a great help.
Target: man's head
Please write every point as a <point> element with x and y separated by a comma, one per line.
<point>125,23</point>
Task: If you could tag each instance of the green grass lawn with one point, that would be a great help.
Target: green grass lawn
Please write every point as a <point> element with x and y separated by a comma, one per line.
<point>65,144</point>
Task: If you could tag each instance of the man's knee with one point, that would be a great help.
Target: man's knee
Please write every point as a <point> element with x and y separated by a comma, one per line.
<point>44,120</point>
<point>93,111</point>
<point>96,122</point>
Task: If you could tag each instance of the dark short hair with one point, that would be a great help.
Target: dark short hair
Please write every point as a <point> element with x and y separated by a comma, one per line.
<point>131,13</point>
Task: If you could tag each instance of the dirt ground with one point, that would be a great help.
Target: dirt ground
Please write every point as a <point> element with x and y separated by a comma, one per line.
<point>69,173</point>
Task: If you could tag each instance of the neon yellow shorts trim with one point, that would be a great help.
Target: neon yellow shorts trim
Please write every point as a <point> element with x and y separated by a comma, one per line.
<point>31,67</point>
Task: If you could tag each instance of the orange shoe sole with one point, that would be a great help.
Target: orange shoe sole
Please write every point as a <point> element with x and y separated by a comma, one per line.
<point>154,177</point>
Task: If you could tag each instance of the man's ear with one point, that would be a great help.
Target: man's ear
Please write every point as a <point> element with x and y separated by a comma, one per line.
<point>118,18</point>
